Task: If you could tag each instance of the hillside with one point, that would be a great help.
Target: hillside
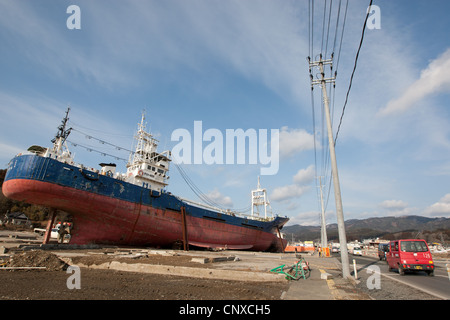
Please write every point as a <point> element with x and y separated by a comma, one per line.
<point>436,229</point>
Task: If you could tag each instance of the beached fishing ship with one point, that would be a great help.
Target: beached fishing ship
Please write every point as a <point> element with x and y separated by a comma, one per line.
<point>133,208</point>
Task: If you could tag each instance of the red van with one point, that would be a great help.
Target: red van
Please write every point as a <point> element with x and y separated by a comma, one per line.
<point>410,255</point>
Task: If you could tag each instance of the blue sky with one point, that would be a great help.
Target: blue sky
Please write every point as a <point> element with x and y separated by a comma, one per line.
<point>240,64</point>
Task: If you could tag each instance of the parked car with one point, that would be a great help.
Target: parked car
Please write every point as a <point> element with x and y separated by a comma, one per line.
<point>357,251</point>
<point>53,233</point>
<point>335,249</point>
<point>410,255</point>
<point>383,249</point>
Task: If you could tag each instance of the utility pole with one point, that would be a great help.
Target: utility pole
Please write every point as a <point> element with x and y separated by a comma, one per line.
<point>323,236</point>
<point>337,189</point>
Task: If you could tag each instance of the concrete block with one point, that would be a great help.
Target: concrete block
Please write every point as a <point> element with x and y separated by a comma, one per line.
<point>215,259</point>
<point>200,260</point>
<point>222,259</point>
<point>194,272</point>
<point>326,276</point>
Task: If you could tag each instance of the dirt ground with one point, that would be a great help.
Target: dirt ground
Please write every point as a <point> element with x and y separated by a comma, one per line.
<point>51,283</point>
<point>115,285</point>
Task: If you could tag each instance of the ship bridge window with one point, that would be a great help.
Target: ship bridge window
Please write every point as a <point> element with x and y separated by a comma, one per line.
<point>160,171</point>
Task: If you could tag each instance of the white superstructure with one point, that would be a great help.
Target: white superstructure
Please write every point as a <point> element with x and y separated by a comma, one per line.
<point>260,202</point>
<point>147,167</point>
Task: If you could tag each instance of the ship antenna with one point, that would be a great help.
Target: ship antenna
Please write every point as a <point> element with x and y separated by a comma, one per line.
<point>62,133</point>
<point>143,119</point>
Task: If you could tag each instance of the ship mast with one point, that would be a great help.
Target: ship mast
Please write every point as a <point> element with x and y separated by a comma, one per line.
<point>146,144</point>
<point>62,134</point>
<point>260,199</point>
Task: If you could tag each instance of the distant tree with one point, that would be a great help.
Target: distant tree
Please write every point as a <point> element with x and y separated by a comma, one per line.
<point>33,212</point>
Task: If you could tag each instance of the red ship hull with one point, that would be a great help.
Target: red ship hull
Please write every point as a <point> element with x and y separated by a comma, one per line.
<point>107,220</point>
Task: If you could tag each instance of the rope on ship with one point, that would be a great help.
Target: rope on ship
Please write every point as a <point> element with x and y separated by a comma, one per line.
<point>101,141</point>
<point>88,136</point>
<point>202,196</point>
<point>75,144</point>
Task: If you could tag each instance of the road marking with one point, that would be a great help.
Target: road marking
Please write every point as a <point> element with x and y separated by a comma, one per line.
<point>332,287</point>
<point>397,277</point>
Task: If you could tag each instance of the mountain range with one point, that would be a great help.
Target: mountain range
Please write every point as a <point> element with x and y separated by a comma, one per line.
<point>383,227</point>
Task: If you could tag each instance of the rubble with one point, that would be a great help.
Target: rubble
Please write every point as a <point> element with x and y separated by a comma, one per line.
<point>36,259</point>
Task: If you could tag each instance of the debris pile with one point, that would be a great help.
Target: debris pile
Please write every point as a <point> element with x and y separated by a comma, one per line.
<point>36,259</point>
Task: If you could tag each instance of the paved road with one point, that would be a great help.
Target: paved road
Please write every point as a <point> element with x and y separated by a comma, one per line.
<point>437,286</point>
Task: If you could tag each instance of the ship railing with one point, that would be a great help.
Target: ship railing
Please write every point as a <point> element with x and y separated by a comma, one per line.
<point>203,205</point>
<point>222,211</point>
<point>249,216</point>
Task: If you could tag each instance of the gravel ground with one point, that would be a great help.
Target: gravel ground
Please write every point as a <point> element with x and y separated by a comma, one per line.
<point>391,290</point>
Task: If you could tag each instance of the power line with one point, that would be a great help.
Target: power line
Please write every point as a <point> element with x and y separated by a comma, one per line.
<point>326,25</point>
<point>323,24</point>
<point>328,28</point>
<point>342,37</point>
<point>311,27</point>
<point>322,81</point>
<point>337,24</point>
<point>353,72</point>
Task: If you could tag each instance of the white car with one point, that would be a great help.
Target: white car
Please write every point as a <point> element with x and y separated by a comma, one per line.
<point>54,233</point>
<point>357,251</point>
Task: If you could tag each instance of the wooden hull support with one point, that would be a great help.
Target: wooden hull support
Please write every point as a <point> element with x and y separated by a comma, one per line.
<point>184,228</point>
<point>48,229</point>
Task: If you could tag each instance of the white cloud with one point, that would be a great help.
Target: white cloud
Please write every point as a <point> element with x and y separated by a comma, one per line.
<point>440,208</point>
<point>288,192</point>
<point>301,180</point>
<point>394,204</point>
<point>434,79</point>
<point>396,207</point>
<point>305,176</point>
<point>293,141</point>
<point>219,198</point>
<point>312,218</point>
